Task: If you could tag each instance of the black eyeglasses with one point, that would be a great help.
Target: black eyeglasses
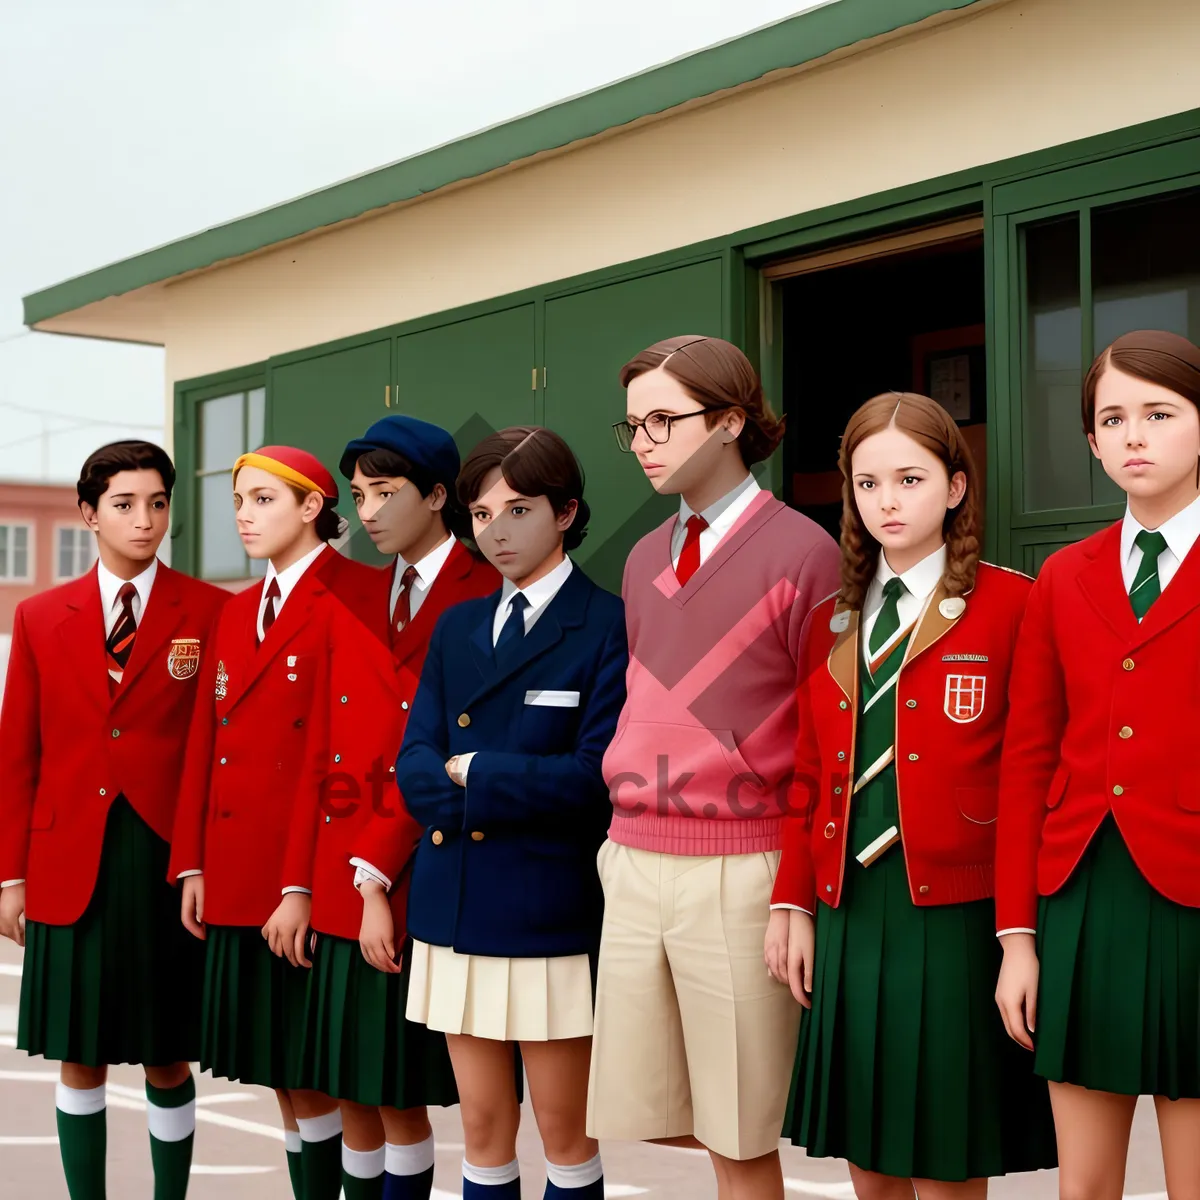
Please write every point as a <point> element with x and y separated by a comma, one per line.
<point>657,427</point>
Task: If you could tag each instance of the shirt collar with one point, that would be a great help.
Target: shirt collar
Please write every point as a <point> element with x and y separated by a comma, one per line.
<point>290,576</point>
<point>919,580</point>
<point>427,567</point>
<point>1181,531</point>
<point>538,594</point>
<point>110,584</point>
<point>722,514</point>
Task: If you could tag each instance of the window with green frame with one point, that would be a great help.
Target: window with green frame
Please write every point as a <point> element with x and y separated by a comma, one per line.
<point>1091,275</point>
<point>228,426</point>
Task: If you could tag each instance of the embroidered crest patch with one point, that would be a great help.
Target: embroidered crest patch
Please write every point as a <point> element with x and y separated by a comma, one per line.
<point>183,660</point>
<point>222,681</point>
<point>965,697</point>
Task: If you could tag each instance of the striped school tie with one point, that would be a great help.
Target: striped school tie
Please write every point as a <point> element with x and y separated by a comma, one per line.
<point>1146,587</point>
<point>119,644</point>
<point>888,621</point>
<point>270,613</point>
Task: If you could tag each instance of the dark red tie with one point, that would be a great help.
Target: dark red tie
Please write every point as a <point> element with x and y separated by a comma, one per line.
<point>269,612</point>
<point>403,613</point>
<point>689,557</point>
<point>119,644</point>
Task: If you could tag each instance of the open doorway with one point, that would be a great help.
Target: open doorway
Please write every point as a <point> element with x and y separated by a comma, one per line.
<point>902,313</point>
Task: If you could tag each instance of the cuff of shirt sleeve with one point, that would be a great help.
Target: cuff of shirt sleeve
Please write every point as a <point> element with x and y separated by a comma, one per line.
<point>11,883</point>
<point>793,907</point>
<point>186,874</point>
<point>1016,930</point>
<point>287,891</point>
<point>464,764</point>
<point>364,871</point>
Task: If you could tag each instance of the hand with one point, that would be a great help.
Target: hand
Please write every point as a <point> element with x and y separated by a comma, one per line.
<point>12,913</point>
<point>452,771</point>
<point>1017,987</point>
<point>775,945</point>
<point>287,930</point>
<point>192,906</point>
<point>377,937</point>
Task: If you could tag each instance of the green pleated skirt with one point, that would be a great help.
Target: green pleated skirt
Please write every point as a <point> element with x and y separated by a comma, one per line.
<point>903,1065</point>
<point>252,1016</point>
<point>1119,991</point>
<point>121,985</point>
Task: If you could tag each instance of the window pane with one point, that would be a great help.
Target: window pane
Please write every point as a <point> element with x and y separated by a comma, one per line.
<point>221,552</point>
<point>66,554</point>
<point>20,537</point>
<point>221,432</point>
<point>256,418</point>
<point>4,552</point>
<point>86,550</point>
<point>1146,267</point>
<point>1057,466</point>
<point>20,554</point>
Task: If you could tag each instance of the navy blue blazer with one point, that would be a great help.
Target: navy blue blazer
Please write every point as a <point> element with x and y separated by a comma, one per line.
<point>507,865</point>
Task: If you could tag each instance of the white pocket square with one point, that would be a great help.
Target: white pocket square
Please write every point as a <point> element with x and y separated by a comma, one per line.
<point>552,699</point>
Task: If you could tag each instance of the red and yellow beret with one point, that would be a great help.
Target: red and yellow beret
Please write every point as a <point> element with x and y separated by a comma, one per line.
<point>293,466</point>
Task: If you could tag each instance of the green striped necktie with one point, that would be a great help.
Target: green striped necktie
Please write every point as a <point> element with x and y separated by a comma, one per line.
<point>1146,587</point>
<point>888,621</point>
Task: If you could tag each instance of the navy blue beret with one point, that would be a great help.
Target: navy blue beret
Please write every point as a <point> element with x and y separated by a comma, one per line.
<point>428,447</point>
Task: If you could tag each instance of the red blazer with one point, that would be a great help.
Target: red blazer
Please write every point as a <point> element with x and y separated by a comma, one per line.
<point>1104,716</point>
<point>247,771</point>
<point>70,746</point>
<point>947,766</point>
<point>358,811</point>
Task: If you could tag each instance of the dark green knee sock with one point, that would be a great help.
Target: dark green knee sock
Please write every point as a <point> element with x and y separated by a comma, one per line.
<point>321,1168</point>
<point>82,1140</point>
<point>171,1116</point>
<point>295,1147</point>
<point>362,1174</point>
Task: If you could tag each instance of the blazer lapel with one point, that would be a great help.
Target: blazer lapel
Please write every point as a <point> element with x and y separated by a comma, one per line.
<point>565,610</point>
<point>933,623</point>
<point>83,637</point>
<point>158,621</point>
<point>1104,586</point>
<point>843,658</point>
<point>1179,598</point>
<point>418,631</point>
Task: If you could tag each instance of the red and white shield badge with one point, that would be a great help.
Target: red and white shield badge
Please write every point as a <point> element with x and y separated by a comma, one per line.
<point>964,697</point>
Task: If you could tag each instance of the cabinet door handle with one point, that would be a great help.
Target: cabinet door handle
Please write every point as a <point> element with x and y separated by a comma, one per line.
<point>387,396</point>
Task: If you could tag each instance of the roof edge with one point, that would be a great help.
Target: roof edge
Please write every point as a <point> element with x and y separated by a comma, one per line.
<point>789,43</point>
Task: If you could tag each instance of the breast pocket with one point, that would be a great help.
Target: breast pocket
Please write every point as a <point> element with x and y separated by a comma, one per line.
<point>549,720</point>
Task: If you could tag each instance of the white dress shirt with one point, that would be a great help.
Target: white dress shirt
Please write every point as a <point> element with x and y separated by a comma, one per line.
<point>919,582</point>
<point>1181,532</point>
<point>539,595</point>
<point>110,585</point>
<point>427,571</point>
<point>721,517</point>
<point>288,578</point>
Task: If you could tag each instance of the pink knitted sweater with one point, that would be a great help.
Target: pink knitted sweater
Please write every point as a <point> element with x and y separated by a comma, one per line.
<point>703,753</point>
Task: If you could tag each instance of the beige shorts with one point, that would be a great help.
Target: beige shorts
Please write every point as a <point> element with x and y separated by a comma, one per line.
<point>503,999</point>
<point>692,1035</point>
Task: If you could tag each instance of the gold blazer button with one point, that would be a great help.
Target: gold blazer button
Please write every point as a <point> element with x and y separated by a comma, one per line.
<point>437,837</point>
<point>476,835</point>
<point>463,721</point>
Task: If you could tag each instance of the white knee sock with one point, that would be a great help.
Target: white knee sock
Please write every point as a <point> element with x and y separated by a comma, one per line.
<point>414,1159</point>
<point>362,1164</point>
<point>580,1176</point>
<point>491,1176</point>
<point>320,1129</point>
<point>80,1102</point>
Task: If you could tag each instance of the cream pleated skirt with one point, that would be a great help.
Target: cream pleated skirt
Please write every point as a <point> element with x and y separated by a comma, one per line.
<point>502,999</point>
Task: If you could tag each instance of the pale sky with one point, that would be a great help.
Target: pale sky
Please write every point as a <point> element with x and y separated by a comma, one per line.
<point>134,122</point>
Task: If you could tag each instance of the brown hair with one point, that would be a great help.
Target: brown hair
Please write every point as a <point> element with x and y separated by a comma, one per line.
<point>1152,355</point>
<point>110,460</point>
<point>717,375</point>
<point>535,462</point>
<point>930,426</point>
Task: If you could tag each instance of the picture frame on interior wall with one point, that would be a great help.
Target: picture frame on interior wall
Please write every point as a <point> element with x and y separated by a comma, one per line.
<point>950,366</point>
<point>74,552</point>
<point>17,545</point>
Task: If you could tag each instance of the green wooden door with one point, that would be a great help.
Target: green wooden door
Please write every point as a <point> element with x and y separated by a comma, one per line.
<point>589,336</point>
<point>470,377</point>
<point>1080,256</point>
<point>321,401</point>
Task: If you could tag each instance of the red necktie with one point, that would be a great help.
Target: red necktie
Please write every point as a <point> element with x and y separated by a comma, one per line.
<point>689,557</point>
<point>403,613</point>
<point>119,644</point>
<point>269,614</point>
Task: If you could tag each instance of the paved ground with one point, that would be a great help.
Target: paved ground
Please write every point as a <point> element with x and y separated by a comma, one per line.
<point>239,1151</point>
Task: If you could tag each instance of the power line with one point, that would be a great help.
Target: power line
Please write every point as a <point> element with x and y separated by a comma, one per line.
<point>78,420</point>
